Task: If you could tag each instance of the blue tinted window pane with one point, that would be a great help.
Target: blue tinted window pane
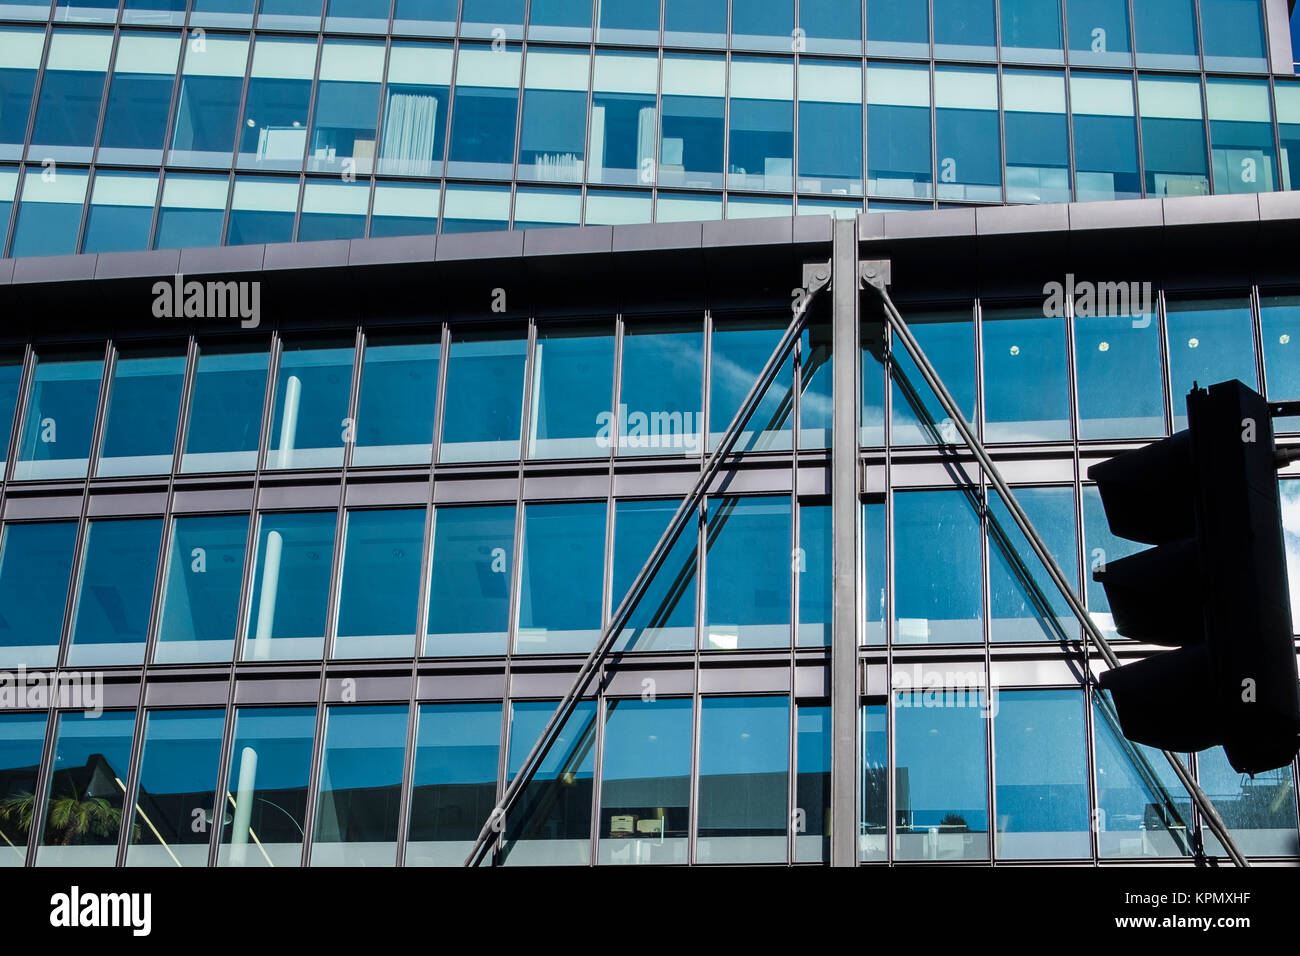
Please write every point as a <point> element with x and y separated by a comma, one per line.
<point>873,823</point>
<point>947,338</point>
<point>67,112</point>
<point>693,132</point>
<point>1259,811</point>
<point>659,401</point>
<point>17,83</point>
<point>380,593</point>
<point>273,134</point>
<point>415,110</point>
<point>208,108</point>
<point>1142,809</point>
<point>140,96</point>
<point>1241,136</point>
<point>360,787</point>
<point>898,129</point>
<point>1280,318</point>
<point>830,128</point>
<point>573,379</point>
<point>455,781</point>
<point>11,371</point>
<point>741,348</point>
<point>762,24</point>
<point>178,782</point>
<point>1234,35</point>
<point>1099,548</point>
<point>21,738</point>
<point>1031,30</point>
<point>270,766</point>
<point>1290,497</point>
<point>664,619</point>
<point>115,592</point>
<point>744,773</point>
<point>551,825</point>
<point>967,135</point>
<point>291,576</point>
<point>964,29</point>
<point>1038,152</point>
<point>1166,33</point>
<point>479,17</point>
<point>1099,32</point>
<point>695,22</point>
<point>813,784</point>
<point>359,16</point>
<point>624,118</point>
<point>1119,341</point>
<point>290,14</point>
<point>761,128</point>
<point>226,409</point>
<point>143,404</point>
<point>469,590</point>
<point>485,379</point>
<point>121,212</point>
<point>309,425</point>
<point>815,397</point>
<point>1210,340</point>
<point>1026,383</point>
<point>1173,137</point>
<point>1025,604</point>
<point>399,389</point>
<point>434,17</point>
<point>645,791</point>
<point>747,598</point>
<point>84,801</point>
<point>60,416</point>
<point>476,208</point>
<point>222,12</point>
<point>1040,765</point>
<point>347,105</point>
<point>554,131</point>
<point>898,28</point>
<point>941,784</point>
<point>35,567</point>
<point>937,591</point>
<point>483,115</point>
<point>200,604</point>
<point>562,578</point>
<point>831,26</point>
<point>560,20</point>
<point>49,217</point>
<point>262,210</point>
<point>814,567</point>
<point>192,212</point>
<point>875,584</point>
<point>628,21</point>
<point>1105,137</point>
<point>871,433</point>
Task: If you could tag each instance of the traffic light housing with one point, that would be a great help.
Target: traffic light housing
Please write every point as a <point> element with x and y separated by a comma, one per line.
<point>1214,586</point>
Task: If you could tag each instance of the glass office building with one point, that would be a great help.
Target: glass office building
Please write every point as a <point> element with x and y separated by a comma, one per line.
<point>302,539</point>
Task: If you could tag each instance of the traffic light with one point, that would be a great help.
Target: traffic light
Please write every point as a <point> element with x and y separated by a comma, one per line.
<point>1214,587</point>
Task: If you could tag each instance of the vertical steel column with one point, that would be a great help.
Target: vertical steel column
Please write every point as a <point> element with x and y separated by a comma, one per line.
<point>844,544</point>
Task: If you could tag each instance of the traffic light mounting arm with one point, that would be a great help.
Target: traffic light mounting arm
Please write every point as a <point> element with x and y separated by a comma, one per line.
<point>875,275</point>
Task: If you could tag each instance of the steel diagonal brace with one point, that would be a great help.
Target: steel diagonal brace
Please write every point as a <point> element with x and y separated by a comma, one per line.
<point>876,275</point>
<point>816,278</point>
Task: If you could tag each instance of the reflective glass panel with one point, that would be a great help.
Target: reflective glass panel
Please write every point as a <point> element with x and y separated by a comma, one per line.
<point>551,825</point>
<point>830,127</point>
<point>1280,319</point>
<point>553,131</point>
<point>1117,339</point>
<point>484,404</point>
<point>1099,548</point>
<point>49,217</point>
<point>1025,604</point>
<point>480,17</point>
<point>645,792</point>
<point>659,402</point>
<point>110,620</point>
<point>381,583</point>
<point>940,780</point>
<point>1105,137</point>
<point>266,799</point>
<point>177,790</point>
<point>1166,34</point>
<point>333,210</point>
<point>60,417</point>
<point>208,111</point>
<point>624,118</point>
<point>831,26</point>
<point>741,348</point>
<point>399,391</point>
<point>761,130</point>
<point>692,131</point>
<point>664,619</point>
<point>21,738</point>
<point>191,212</point>
<point>947,338</point>
<point>813,784</point>
<point>139,98</point>
<point>360,786</point>
<point>1241,136</point>
<point>84,798</point>
<point>1173,136</point>
<point>964,29</point>
<point>628,21</point>
<point>432,17</point>
<point>309,424</point>
<point>20,57</point>
<point>560,20</point>
<point>291,576</point>
<point>226,408</point>
<point>405,209</point>
<point>1099,32</point>
<point>937,591</point>
<point>1040,765</point>
<point>875,582</point>
<point>573,380</point>
<point>967,136</point>
<point>11,372</point>
<point>121,212</point>
<point>1026,378</point>
<point>1031,31</point>
<point>898,28</point>
<point>1234,35</point>
<point>273,134</point>
<point>744,774</point>
<point>898,128</point>
<point>695,23</point>
<point>262,210</point>
<point>413,136</point>
<point>144,402</point>
<point>747,597</point>
<point>873,823</point>
<point>562,577</point>
<point>347,104</point>
<point>455,782</point>
<point>483,116</point>
<point>1210,341</point>
<point>35,568</point>
<point>1259,811</point>
<point>469,590</point>
<point>200,603</point>
<point>813,563</point>
<point>67,112</point>
<point>1038,152</point>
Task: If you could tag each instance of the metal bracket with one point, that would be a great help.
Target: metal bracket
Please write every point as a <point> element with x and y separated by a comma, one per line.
<point>816,277</point>
<point>877,273</point>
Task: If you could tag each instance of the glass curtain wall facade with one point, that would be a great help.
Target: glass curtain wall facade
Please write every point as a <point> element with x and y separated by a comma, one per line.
<point>196,123</point>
